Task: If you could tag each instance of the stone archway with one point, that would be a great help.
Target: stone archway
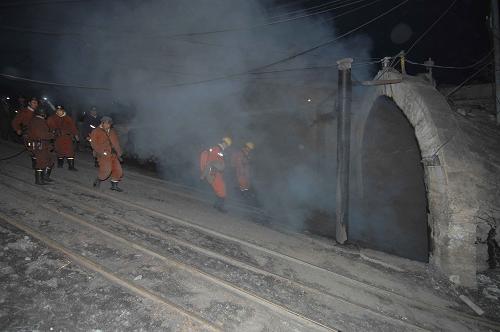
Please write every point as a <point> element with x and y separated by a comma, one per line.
<point>451,195</point>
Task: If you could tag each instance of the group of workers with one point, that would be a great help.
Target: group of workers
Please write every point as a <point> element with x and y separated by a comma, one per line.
<point>44,135</point>
<point>212,167</point>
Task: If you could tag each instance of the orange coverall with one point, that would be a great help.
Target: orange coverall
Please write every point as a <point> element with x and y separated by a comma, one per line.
<point>108,151</point>
<point>241,162</point>
<point>38,137</point>
<point>64,130</point>
<point>22,120</point>
<point>216,158</point>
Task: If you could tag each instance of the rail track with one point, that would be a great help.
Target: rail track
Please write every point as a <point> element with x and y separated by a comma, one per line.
<point>256,269</point>
<point>109,275</point>
<point>402,326</point>
<point>302,320</point>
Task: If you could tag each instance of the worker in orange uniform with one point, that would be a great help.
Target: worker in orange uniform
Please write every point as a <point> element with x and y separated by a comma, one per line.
<point>212,170</point>
<point>39,138</point>
<point>20,124</point>
<point>64,129</point>
<point>241,163</point>
<point>104,141</point>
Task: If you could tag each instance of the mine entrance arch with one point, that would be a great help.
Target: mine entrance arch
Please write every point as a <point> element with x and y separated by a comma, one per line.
<point>448,168</point>
<point>390,210</point>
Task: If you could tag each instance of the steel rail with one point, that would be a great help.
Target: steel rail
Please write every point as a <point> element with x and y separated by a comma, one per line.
<point>391,294</point>
<point>103,271</point>
<point>228,259</point>
<point>216,255</point>
<point>279,308</point>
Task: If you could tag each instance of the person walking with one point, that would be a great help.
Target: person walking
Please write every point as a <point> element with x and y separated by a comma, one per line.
<point>212,170</point>
<point>106,146</point>
<point>64,129</point>
<point>39,139</point>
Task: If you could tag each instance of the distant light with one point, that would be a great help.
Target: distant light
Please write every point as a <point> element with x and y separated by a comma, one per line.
<point>309,100</point>
<point>8,98</point>
<point>45,98</point>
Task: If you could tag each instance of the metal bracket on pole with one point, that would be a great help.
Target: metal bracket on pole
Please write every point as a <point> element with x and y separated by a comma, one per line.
<point>386,62</point>
<point>343,148</point>
<point>428,65</point>
<point>403,62</point>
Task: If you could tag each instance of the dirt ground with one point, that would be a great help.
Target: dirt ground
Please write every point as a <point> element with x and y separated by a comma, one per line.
<point>43,290</point>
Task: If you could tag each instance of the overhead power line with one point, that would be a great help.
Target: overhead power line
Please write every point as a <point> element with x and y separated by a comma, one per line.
<point>293,56</point>
<point>430,27</point>
<point>307,9</point>
<point>468,79</point>
<point>453,67</point>
<point>331,41</point>
<point>33,3</point>
<point>17,78</point>
<point>256,26</point>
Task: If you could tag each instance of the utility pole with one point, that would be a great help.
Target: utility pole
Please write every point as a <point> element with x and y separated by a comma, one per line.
<point>343,147</point>
<point>495,31</point>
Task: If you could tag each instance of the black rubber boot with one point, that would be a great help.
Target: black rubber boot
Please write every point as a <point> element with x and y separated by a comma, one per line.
<point>71,164</point>
<point>46,175</point>
<point>96,163</point>
<point>97,183</point>
<point>219,205</point>
<point>60,162</point>
<point>39,177</point>
<point>114,186</point>
<point>33,162</point>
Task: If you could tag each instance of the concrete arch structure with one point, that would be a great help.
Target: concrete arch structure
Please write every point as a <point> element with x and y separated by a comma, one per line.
<point>452,195</point>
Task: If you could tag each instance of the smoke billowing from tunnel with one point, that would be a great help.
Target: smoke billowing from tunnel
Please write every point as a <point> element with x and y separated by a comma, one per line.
<point>142,49</point>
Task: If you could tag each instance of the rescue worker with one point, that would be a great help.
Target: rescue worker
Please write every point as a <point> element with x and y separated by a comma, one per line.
<point>64,130</point>
<point>39,139</point>
<point>212,170</point>
<point>90,121</point>
<point>241,163</point>
<point>21,121</point>
<point>104,141</point>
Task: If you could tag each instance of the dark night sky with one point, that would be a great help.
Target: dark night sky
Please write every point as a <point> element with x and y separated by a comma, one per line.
<point>459,39</point>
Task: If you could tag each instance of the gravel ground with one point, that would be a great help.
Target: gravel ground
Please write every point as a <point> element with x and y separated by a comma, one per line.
<point>82,303</point>
<point>42,290</point>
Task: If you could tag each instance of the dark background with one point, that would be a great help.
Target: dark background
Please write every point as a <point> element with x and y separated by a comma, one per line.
<point>460,38</point>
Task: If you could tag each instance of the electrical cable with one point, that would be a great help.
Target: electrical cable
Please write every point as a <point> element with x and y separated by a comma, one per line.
<point>331,41</point>
<point>40,32</point>
<point>453,67</point>
<point>250,27</point>
<point>304,10</point>
<point>293,56</point>
<point>291,3</point>
<point>33,3</point>
<point>352,10</point>
<point>355,65</point>
<point>110,33</point>
<point>17,78</point>
<point>430,27</point>
<point>468,79</point>
<point>12,77</point>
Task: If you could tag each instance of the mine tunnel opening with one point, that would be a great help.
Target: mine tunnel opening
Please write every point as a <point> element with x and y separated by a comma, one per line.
<point>389,210</point>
